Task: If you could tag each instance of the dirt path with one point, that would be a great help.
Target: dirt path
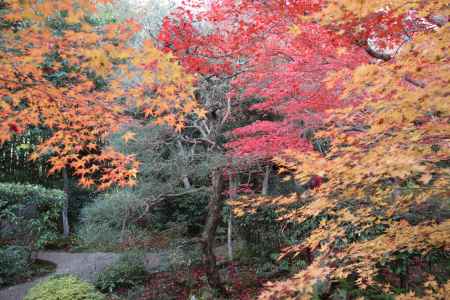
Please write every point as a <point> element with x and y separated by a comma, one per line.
<point>84,265</point>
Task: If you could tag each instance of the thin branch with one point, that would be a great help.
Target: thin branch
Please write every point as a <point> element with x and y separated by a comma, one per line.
<point>415,82</point>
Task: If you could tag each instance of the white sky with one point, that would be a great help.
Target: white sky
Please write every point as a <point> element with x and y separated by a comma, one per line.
<point>161,3</point>
<point>143,3</point>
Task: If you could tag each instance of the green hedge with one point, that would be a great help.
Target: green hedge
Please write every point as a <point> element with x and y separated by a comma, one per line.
<point>64,288</point>
<point>15,261</point>
<point>30,214</point>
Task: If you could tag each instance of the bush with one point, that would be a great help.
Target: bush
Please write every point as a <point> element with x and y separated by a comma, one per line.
<point>189,210</point>
<point>15,261</point>
<point>127,272</point>
<point>30,213</point>
<point>65,287</point>
<point>116,217</point>
<point>111,218</point>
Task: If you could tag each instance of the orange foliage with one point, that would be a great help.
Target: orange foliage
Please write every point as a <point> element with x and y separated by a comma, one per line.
<point>80,113</point>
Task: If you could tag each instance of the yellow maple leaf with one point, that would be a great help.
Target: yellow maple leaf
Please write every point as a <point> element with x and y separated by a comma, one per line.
<point>129,136</point>
<point>179,127</point>
<point>201,113</point>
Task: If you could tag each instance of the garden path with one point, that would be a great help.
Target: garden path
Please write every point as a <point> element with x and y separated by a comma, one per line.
<point>84,265</point>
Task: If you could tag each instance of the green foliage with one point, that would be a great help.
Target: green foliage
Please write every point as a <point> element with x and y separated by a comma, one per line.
<point>127,272</point>
<point>30,213</point>
<point>189,210</point>
<point>64,288</point>
<point>79,198</point>
<point>113,217</point>
<point>261,230</point>
<point>15,165</point>
<point>160,198</point>
<point>15,261</point>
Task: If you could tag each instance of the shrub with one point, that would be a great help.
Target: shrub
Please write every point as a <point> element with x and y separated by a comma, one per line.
<point>116,217</point>
<point>99,237</point>
<point>15,261</point>
<point>127,272</point>
<point>64,288</point>
<point>112,217</point>
<point>189,210</point>
<point>30,213</point>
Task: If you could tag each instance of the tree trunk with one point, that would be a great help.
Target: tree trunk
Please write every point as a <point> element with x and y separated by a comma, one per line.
<point>265,186</point>
<point>65,216</point>
<point>233,195</point>
<point>184,177</point>
<point>186,182</point>
<point>215,206</point>
<point>229,236</point>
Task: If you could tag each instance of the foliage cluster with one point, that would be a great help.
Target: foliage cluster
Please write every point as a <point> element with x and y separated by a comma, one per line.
<point>127,272</point>
<point>15,261</point>
<point>30,214</point>
<point>173,177</point>
<point>261,231</point>
<point>111,219</point>
<point>64,287</point>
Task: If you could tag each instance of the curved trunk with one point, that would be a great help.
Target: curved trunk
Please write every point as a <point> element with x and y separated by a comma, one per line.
<point>215,207</point>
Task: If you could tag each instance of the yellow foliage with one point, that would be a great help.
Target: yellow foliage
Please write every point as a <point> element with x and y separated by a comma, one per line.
<point>340,12</point>
<point>383,173</point>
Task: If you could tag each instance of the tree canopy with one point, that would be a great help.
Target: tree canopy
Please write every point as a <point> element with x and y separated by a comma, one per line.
<point>65,70</point>
<point>347,98</point>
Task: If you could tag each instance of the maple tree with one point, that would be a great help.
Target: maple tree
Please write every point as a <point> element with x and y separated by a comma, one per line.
<point>269,56</point>
<point>261,52</point>
<point>61,70</point>
<point>386,166</point>
<point>282,52</point>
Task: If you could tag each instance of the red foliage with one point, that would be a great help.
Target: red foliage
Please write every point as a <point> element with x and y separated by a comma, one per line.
<point>13,127</point>
<point>243,283</point>
<point>271,55</point>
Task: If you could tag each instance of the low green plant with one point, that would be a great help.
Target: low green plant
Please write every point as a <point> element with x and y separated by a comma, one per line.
<point>15,261</point>
<point>65,287</point>
<point>135,293</point>
<point>127,272</point>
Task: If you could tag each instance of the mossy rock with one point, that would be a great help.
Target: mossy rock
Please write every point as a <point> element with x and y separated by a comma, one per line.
<point>66,287</point>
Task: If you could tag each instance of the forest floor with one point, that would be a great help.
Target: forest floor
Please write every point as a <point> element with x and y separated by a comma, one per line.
<point>84,265</point>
